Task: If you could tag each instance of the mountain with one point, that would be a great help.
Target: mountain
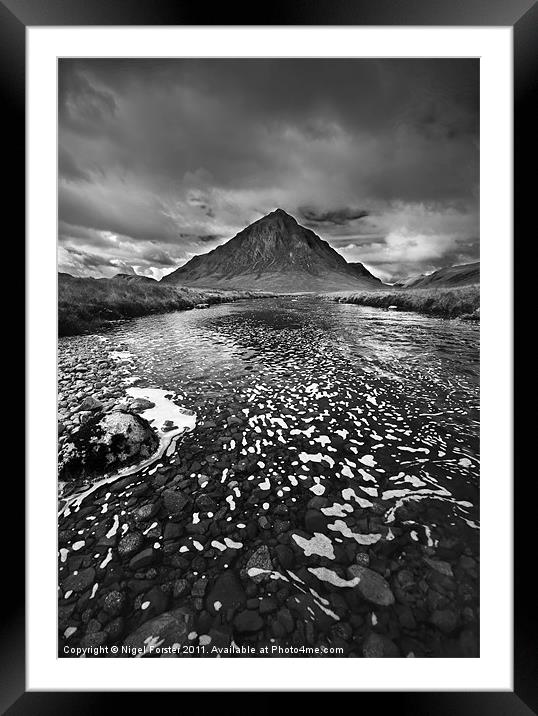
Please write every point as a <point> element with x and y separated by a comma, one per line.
<point>133,278</point>
<point>274,253</point>
<point>361,271</point>
<point>452,276</point>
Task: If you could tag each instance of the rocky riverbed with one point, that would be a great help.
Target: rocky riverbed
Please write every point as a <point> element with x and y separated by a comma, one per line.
<point>319,496</point>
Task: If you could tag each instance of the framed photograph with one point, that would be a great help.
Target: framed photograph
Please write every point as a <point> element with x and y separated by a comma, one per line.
<point>269,271</point>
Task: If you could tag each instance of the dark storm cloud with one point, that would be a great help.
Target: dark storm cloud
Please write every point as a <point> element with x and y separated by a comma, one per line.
<point>208,238</point>
<point>333,216</point>
<point>185,153</point>
<point>68,169</point>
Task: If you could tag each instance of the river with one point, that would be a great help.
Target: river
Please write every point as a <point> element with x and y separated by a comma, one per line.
<point>331,435</point>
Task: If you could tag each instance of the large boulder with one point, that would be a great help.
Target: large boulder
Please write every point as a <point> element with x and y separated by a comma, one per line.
<point>106,443</point>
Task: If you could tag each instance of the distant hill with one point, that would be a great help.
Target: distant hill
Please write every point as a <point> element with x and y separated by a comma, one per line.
<point>133,278</point>
<point>127,277</point>
<point>274,253</point>
<point>452,276</point>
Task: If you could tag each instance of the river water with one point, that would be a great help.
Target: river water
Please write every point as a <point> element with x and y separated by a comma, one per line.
<point>401,388</point>
<point>376,413</point>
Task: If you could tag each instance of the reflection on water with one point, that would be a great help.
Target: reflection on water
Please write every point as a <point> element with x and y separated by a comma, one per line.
<point>263,335</point>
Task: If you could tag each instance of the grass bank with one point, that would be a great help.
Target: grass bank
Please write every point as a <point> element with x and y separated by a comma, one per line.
<point>85,304</point>
<point>463,302</point>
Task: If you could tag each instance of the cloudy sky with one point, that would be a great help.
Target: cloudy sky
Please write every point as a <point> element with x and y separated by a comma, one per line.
<point>160,160</point>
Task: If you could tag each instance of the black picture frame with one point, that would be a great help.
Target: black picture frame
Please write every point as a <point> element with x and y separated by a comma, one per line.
<point>522,15</point>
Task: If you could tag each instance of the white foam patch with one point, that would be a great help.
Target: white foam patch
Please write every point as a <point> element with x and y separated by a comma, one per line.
<point>164,410</point>
<point>319,544</point>
<point>340,526</point>
<point>337,510</point>
<point>327,575</point>
<point>231,544</point>
<point>318,489</point>
<point>112,531</point>
<point>121,356</point>
<point>106,559</point>
<point>131,380</point>
<point>256,571</point>
<point>415,481</point>
<point>349,493</point>
<point>315,457</point>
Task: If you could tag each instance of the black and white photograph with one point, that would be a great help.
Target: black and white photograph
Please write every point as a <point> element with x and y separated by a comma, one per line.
<point>268,358</point>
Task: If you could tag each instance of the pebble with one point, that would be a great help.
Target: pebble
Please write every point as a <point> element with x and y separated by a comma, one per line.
<point>260,559</point>
<point>130,544</point>
<point>114,602</point>
<point>142,559</point>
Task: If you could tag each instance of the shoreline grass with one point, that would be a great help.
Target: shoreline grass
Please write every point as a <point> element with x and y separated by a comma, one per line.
<point>461,302</point>
<point>86,304</point>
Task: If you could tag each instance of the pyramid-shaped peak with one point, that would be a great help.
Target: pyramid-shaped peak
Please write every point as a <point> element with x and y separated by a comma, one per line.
<point>278,218</point>
<point>280,213</point>
<point>274,250</point>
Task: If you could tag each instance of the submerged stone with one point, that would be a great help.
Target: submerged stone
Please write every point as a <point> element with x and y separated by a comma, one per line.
<point>227,593</point>
<point>248,622</point>
<point>80,581</point>
<point>371,585</point>
<point>165,630</point>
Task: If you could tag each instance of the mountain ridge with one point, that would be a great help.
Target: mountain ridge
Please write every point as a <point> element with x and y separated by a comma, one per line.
<point>450,276</point>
